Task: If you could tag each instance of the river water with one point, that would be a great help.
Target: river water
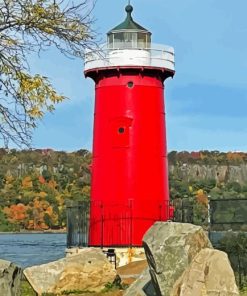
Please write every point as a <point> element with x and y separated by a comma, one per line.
<point>32,249</point>
<point>28,249</point>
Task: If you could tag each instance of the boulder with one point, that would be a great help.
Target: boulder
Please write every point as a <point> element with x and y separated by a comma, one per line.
<point>10,278</point>
<point>132,271</point>
<point>143,286</point>
<point>170,248</point>
<point>88,271</point>
<point>209,273</point>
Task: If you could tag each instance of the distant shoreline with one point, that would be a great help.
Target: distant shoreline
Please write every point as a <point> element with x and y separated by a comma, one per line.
<point>35,232</point>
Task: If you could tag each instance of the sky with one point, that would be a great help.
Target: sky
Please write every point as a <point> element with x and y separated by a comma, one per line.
<point>206,101</point>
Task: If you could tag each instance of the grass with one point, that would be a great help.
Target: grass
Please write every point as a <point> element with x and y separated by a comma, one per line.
<point>26,289</point>
<point>243,292</point>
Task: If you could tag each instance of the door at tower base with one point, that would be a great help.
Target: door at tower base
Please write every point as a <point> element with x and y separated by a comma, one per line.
<point>129,191</point>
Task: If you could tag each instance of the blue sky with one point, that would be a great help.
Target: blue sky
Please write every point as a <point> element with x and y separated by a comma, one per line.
<point>206,102</point>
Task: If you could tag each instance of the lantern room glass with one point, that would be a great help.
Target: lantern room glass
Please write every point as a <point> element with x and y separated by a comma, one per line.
<point>129,40</point>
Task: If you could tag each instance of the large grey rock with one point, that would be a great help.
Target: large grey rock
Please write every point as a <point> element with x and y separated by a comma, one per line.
<point>209,273</point>
<point>88,271</point>
<point>170,248</point>
<point>143,286</point>
<point>10,279</point>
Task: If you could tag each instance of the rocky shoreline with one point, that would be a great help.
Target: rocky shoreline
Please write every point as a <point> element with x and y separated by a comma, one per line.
<point>180,261</point>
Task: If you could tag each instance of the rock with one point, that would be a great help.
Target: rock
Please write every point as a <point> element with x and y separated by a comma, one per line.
<point>128,255</point>
<point>142,286</point>
<point>209,273</point>
<point>124,256</point>
<point>87,271</point>
<point>170,248</point>
<point>132,271</point>
<point>10,278</point>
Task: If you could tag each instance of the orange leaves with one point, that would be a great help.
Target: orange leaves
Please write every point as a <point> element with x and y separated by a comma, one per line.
<point>52,184</point>
<point>202,198</point>
<point>40,204</point>
<point>16,213</point>
<point>31,216</point>
<point>30,224</point>
<point>236,156</point>
<point>27,182</point>
<point>40,209</point>
<point>49,211</point>
<point>41,179</point>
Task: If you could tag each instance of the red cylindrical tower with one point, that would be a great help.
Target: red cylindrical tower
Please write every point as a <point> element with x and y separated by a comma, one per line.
<point>129,169</point>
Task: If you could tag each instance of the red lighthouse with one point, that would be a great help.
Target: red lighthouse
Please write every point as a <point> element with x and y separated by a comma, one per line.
<point>129,168</point>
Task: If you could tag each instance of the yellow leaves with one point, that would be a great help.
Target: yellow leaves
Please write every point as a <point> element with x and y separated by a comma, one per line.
<point>200,192</point>
<point>29,83</point>
<point>35,112</point>
<point>45,16</point>
<point>9,179</point>
<point>33,27</point>
<point>38,94</point>
<point>38,10</point>
<point>190,189</point>
<point>56,98</point>
<point>5,69</point>
<point>48,30</point>
<point>42,194</point>
<point>60,201</point>
<point>86,191</point>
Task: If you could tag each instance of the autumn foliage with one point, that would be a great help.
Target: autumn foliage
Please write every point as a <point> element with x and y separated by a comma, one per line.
<point>34,186</point>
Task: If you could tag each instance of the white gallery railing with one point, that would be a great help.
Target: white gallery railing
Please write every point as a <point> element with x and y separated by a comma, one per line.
<point>159,56</point>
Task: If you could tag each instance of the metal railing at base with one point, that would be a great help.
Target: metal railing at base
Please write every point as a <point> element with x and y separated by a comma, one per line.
<point>77,223</point>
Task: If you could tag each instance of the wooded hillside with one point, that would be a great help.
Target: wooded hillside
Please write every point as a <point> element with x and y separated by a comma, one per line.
<point>34,184</point>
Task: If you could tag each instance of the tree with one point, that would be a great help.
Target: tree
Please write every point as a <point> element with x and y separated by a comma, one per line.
<point>235,245</point>
<point>48,220</point>
<point>5,225</point>
<point>28,26</point>
<point>234,186</point>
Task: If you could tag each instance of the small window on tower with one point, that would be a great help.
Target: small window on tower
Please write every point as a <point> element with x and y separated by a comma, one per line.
<point>130,84</point>
<point>121,130</point>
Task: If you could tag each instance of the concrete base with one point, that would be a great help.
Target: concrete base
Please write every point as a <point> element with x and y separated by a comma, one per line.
<point>124,256</point>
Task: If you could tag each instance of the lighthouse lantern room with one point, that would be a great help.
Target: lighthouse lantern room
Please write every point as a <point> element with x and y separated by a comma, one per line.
<point>129,168</point>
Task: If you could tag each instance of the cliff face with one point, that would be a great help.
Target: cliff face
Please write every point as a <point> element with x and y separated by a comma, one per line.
<point>220,173</point>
